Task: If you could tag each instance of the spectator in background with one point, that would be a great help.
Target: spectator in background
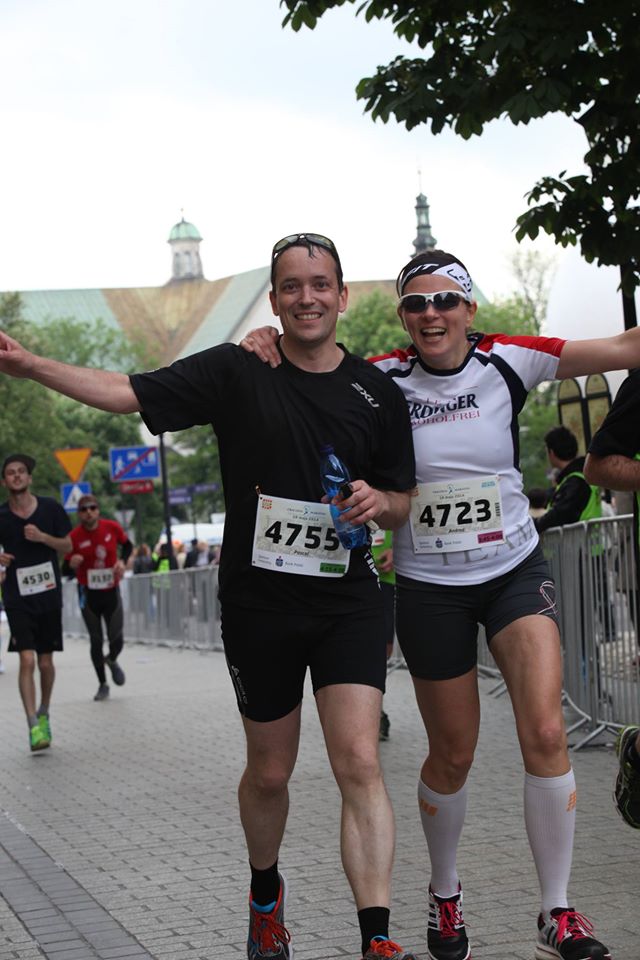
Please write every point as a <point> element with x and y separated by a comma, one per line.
<point>192,555</point>
<point>574,500</point>
<point>143,559</point>
<point>164,561</point>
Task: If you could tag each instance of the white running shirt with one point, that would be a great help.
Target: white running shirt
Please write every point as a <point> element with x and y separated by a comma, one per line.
<point>465,426</point>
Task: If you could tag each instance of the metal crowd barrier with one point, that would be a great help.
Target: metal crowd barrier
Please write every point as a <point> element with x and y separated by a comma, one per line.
<point>178,608</point>
<point>593,566</point>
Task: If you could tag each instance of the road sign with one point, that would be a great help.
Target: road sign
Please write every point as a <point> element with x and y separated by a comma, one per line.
<point>179,495</point>
<point>73,461</point>
<point>136,486</point>
<point>70,493</point>
<point>134,463</point>
<point>204,487</point>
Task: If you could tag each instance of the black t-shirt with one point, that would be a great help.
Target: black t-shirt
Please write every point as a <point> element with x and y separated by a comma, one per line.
<point>270,426</point>
<point>50,518</point>
<point>619,434</point>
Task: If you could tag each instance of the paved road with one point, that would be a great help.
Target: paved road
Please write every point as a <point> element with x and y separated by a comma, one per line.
<point>122,842</point>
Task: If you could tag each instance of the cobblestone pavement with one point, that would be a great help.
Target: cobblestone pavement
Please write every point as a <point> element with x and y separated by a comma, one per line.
<point>122,841</point>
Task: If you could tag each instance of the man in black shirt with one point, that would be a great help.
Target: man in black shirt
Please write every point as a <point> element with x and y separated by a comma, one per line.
<point>33,531</point>
<point>292,598</point>
<point>613,461</point>
<point>572,499</point>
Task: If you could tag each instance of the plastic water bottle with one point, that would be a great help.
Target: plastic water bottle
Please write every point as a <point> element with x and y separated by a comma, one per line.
<point>335,476</point>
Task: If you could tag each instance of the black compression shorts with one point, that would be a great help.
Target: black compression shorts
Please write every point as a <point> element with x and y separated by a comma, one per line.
<point>268,655</point>
<point>437,625</point>
<point>41,632</point>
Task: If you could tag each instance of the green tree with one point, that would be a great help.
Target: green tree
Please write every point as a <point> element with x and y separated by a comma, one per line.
<point>30,418</point>
<point>486,59</point>
<point>39,421</point>
<point>371,326</point>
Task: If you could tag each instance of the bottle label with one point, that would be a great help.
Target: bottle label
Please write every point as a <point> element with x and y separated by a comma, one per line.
<point>293,536</point>
<point>452,515</point>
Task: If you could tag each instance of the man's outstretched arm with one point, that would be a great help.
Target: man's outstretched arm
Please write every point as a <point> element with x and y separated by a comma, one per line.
<point>104,389</point>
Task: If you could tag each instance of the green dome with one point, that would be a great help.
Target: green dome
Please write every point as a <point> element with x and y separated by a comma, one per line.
<point>184,231</point>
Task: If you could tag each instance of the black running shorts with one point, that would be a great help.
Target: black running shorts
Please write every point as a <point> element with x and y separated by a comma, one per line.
<point>437,625</point>
<point>41,632</point>
<point>268,655</point>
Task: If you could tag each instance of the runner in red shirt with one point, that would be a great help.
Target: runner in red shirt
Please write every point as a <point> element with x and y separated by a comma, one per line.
<point>98,569</point>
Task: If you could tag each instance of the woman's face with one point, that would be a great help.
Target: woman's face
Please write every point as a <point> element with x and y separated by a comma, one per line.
<point>440,336</point>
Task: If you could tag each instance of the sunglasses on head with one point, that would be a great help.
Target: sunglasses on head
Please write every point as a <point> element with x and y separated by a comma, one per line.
<point>295,238</point>
<point>441,301</point>
<point>88,506</point>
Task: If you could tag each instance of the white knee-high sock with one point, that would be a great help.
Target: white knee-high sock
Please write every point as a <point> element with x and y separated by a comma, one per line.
<point>550,818</point>
<point>442,816</point>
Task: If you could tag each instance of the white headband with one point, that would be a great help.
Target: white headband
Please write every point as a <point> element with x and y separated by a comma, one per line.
<point>455,272</point>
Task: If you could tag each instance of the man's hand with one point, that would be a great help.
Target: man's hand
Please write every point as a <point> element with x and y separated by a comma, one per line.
<point>14,359</point>
<point>6,559</point>
<point>35,534</point>
<point>262,342</point>
<point>75,560</point>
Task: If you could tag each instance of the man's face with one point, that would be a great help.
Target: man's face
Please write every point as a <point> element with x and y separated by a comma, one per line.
<point>306,297</point>
<point>17,478</point>
<point>89,514</point>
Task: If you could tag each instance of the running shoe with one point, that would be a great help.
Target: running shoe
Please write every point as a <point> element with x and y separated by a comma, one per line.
<point>446,934</point>
<point>45,725</point>
<point>626,795</point>
<point>383,947</point>
<point>268,936</point>
<point>38,739</point>
<point>117,673</point>
<point>385,725</point>
<point>103,692</point>
<point>568,935</point>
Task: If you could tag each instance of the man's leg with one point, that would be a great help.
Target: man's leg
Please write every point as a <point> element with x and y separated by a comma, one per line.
<point>47,670</point>
<point>94,626</point>
<point>114,621</point>
<point>263,793</point>
<point>26,684</point>
<point>272,748</point>
<point>350,718</point>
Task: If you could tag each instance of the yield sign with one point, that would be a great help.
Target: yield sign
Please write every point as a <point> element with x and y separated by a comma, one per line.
<point>73,461</point>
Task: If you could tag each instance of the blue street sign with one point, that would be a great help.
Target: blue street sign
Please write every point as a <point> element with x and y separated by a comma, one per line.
<point>134,463</point>
<point>177,498</point>
<point>204,487</point>
<point>70,493</point>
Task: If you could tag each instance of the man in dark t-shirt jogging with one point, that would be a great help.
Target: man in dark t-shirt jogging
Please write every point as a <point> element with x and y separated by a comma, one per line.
<point>292,599</point>
<point>613,462</point>
<point>33,531</point>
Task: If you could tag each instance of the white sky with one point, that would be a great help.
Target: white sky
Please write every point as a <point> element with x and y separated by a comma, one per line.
<point>116,116</point>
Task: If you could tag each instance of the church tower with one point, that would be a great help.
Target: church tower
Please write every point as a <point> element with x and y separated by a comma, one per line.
<point>185,240</point>
<point>424,240</point>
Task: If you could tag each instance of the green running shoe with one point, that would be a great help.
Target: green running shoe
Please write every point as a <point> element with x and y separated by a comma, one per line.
<point>45,725</point>
<point>38,739</point>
